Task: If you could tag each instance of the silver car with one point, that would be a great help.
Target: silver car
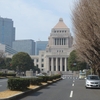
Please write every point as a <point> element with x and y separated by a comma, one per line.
<point>92,81</point>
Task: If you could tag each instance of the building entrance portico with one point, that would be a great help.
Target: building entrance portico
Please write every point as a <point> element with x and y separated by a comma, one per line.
<point>57,64</point>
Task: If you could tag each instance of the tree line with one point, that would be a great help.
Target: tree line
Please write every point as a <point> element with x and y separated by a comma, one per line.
<point>19,62</point>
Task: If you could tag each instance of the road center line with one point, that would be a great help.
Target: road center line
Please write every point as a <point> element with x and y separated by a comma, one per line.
<point>73,84</point>
<point>71,94</point>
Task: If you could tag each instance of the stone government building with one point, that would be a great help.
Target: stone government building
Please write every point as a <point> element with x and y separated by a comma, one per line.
<point>55,57</point>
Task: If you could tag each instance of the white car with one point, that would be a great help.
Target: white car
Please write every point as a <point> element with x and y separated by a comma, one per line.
<point>82,75</point>
<point>92,81</point>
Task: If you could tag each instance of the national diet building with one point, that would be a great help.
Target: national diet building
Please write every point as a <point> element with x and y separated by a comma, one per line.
<point>55,57</point>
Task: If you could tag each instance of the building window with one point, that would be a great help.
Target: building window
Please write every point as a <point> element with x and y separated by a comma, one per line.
<point>42,65</point>
<point>37,60</point>
<point>54,31</point>
<point>37,65</point>
<point>42,60</point>
<point>42,69</point>
<point>65,31</point>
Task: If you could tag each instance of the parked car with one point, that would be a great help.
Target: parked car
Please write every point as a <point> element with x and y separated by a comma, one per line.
<point>82,75</point>
<point>92,81</point>
<point>40,74</point>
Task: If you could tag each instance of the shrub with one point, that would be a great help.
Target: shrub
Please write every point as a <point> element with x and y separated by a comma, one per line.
<point>44,78</point>
<point>18,83</point>
<point>35,81</point>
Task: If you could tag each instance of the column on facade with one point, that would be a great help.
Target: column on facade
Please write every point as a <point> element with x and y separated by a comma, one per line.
<point>57,41</point>
<point>65,41</point>
<point>48,64</point>
<point>61,41</point>
<point>56,64</point>
<point>52,64</point>
<point>60,64</point>
<point>65,64</point>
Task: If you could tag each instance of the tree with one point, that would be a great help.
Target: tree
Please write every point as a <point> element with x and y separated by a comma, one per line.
<point>22,62</point>
<point>86,22</point>
<point>8,63</point>
<point>73,62</point>
<point>2,60</point>
<point>36,69</point>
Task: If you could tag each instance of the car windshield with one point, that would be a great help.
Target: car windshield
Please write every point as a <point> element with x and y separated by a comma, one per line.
<point>93,78</point>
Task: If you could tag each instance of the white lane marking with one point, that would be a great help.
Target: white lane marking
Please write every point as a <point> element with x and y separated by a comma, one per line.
<point>72,84</point>
<point>71,94</point>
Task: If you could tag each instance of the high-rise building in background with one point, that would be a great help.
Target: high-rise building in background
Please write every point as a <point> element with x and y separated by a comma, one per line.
<point>7,31</point>
<point>7,49</point>
<point>40,45</point>
<point>27,46</point>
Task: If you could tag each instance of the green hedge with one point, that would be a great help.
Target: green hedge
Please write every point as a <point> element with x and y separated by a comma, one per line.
<point>18,83</point>
<point>7,74</point>
<point>44,78</point>
<point>35,81</point>
<point>24,83</point>
<point>50,78</point>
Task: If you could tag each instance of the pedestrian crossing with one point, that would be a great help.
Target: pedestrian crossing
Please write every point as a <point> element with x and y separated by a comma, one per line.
<point>70,77</point>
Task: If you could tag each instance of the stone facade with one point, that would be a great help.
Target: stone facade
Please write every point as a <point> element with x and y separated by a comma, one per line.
<point>55,57</point>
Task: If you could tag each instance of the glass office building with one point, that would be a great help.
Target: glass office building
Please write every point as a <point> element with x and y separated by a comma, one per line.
<point>27,46</point>
<point>7,31</point>
<point>40,45</point>
<point>7,49</point>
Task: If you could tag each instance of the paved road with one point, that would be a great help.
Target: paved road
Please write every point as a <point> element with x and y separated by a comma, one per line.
<point>70,88</point>
<point>3,84</point>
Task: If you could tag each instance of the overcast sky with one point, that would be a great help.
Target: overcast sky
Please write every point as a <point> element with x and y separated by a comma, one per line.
<point>34,19</point>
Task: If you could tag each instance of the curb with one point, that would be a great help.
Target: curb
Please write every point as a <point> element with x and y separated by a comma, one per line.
<point>20,95</point>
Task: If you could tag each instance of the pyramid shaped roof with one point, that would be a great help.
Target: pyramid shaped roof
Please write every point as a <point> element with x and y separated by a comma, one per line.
<point>60,24</point>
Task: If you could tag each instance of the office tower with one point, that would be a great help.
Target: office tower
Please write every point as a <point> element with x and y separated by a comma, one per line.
<point>40,45</point>
<point>7,49</point>
<point>27,46</point>
<point>7,31</point>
